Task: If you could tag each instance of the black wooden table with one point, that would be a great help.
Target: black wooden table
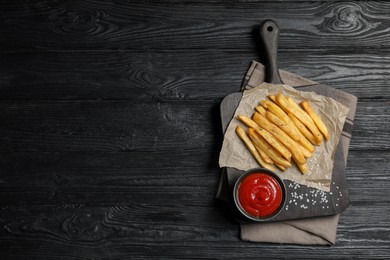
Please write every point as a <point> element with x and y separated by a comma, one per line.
<point>110,129</point>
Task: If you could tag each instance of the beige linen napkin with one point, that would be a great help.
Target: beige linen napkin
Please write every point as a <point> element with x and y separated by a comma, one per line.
<point>313,231</point>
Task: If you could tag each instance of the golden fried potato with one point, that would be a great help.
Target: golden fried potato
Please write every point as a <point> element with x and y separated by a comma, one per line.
<point>252,149</point>
<point>302,168</point>
<point>305,152</point>
<point>250,123</point>
<point>281,136</point>
<point>272,97</point>
<point>276,110</point>
<point>274,143</point>
<point>281,130</point>
<point>294,104</point>
<point>281,167</point>
<point>298,113</point>
<point>282,125</point>
<point>267,136</point>
<point>302,128</point>
<point>267,148</point>
<point>247,121</point>
<point>264,156</point>
<point>261,110</point>
<point>317,120</point>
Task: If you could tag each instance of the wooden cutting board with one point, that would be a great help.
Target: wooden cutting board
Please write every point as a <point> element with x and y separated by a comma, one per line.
<point>301,201</point>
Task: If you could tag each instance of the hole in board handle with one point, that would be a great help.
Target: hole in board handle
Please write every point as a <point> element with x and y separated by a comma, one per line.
<point>270,28</point>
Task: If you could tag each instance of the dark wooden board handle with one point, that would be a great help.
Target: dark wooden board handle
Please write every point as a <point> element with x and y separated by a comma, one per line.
<point>269,34</point>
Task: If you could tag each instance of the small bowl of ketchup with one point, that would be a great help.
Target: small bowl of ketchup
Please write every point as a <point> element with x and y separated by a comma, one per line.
<point>259,194</point>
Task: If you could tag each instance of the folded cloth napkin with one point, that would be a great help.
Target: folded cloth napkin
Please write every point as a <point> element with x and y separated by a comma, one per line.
<point>309,231</point>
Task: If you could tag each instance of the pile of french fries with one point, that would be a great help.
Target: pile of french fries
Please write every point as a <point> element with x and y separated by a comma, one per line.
<point>281,131</point>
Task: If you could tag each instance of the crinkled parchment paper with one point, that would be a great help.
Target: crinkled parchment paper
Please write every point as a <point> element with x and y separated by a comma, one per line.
<point>234,153</point>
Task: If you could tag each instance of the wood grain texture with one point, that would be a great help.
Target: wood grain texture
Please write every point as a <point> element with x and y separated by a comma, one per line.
<point>107,126</point>
<point>163,25</point>
<point>127,126</point>
<point>176,75</point>
<point>135,231</point>
<point>117,179</point>
<point>110,129</point>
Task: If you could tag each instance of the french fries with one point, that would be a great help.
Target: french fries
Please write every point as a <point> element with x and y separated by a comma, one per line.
<point>285,127</point>
<point>281,136</point>
<point>252,149</point>
<point>317,120</point>
<point>267,148</point>
<point>261,110</point>
<point>250,123</point>
<point>267,136</point>
<point>276,110</point>
<point>306,120</point>
<point>302,128</point>
<point>294,104</point>
<point>280,130</point>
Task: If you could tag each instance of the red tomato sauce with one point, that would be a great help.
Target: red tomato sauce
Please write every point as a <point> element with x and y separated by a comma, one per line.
<point>259,194</point>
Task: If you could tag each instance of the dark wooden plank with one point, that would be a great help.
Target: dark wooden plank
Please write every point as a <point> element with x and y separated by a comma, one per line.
<point>137,230</point>
<point>143,25</point>
<point>175,75</point>
<point>107,126</point>
<point>123,75</point>
<point>181,250</point>
<point>133,176</point>
<point>110,178</point>
<point>366,133</point>
<point>114,170</point>
<point>132,126</point>
<point>95,178</point>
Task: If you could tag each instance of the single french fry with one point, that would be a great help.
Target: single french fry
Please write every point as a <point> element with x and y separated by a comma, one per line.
<point>247,121</point>
<point>281,136</point>
<point>287,107</point>
<point>283,125</point>
<point>272,97</point>
<point>261,110</point>
<point>302,128</point>
<point>317,120</point>
<point>252,149</point>
<point>267,148</point>
<point>302,168</point>
<point>304,142</point>
<point>267,136</point>
<point>305,152</point>
<point>281,167</point>
<point>263,155</point>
